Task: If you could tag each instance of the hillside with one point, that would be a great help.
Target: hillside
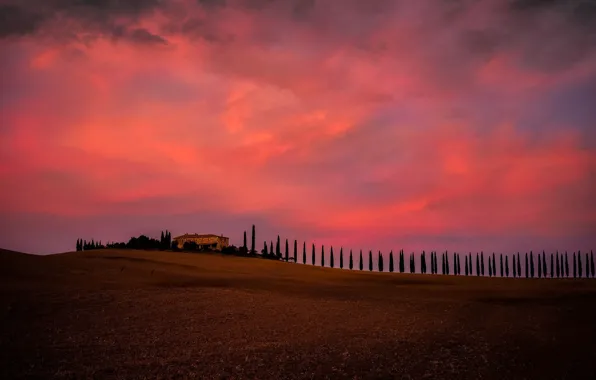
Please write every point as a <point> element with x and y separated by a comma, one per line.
<point>139,314</point>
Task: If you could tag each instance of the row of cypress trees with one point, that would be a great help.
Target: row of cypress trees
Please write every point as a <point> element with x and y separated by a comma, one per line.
<point>559,266</point>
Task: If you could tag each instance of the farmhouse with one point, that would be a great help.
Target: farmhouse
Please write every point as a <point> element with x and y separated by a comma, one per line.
<point>204,241</point>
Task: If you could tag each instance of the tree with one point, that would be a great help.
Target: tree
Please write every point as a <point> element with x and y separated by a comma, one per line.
<point>477,264</point>
<point>592,263</point>
<point>558,266</point>
<point>162,239</point>
<point>527,267</point>
<point>518,266</point>
<point>514,267</point>
<point>443,267</point>
<point>322,255</point>
<point>370,261</point>
<point>252,241</point>
<point>331,260</point>
<point>380,262</point>
<point>574,266</point>
<point>271,250</point>
<point>264,251</point>
<point>466,264</point>
<point>341,258</point>
<point>351,264</point>
<point>587,266</point>
<point>531,264</point>
<point>482,262</point>
<point>413,263</point>
<point>402,266</point>
<point>360,263</point>
<point>277,248</point>
<point>552,265</point>
<point>447,261</point>
<point>501,266</point>
<point>244,245</point>
<point>423,263</point>
<point>313,254</point>
<point>490,267</point>
<point>543,263</point>
<point>295,250</point>
<point>539,266</point>
<point>304,253</point>
<point>390,261</point>
<point>507,266</point>
<point>566,265</point>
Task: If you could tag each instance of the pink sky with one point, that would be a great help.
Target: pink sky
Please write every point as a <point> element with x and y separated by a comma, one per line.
<point>376,125</point>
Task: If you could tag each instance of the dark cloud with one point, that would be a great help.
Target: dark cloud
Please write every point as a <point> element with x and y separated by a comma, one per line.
<point>141,35</point>
<point>17,21</point>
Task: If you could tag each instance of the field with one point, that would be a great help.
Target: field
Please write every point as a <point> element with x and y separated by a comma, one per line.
<point>148,315</point>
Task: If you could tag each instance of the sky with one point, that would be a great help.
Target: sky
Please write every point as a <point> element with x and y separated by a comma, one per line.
<point>383,125</point>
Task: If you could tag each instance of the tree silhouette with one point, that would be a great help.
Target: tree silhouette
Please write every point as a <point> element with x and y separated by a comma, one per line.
<point>543,264</point>
<point>518,266</point>
<point>423,263</point>
<point>287,250</point>
<point>579,264</point>
<point>264,251</point>
<point>322,255</point>
<point>390,261</point>
<point>360,264</point>
<point>566,265</point>
<point>380,262</point>
<point>443,266</point>
<point>527,267</point>
<point>295,250</point>
<point>341,258</point>
<point>447,262</point>
<point>313,254</point>
<point>413,264</point>
<point>482,262</point>
<point>252,241</point>
<point>587,266</point>
<point>552,265</point>
<point>490,267</point>
<point>592,263</point>
<point>531,264</point>
<point>271,250</point>
<point>303,252</point>
<point>514,267</point>
<point>331,263</point>
<point>466,265</point>
<point>501,264</point>
<point>558,266</point>
<point>370,261</point>
<point>574,266</point>
<point>244,245</point>
<point>351,264</point>
<point>507,266</point>
<point>277,248</point>
<point>539,266</point>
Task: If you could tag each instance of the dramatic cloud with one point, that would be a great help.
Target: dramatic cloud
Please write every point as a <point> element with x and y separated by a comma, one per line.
<point>378,124</point>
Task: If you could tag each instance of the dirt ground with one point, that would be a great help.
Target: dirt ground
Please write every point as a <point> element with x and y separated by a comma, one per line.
<point>114,314</point>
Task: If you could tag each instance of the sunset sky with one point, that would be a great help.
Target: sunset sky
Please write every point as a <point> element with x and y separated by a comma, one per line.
<point>377,124</point>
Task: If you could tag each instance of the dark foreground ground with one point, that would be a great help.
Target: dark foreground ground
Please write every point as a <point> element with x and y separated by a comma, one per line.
<point>149,315</point>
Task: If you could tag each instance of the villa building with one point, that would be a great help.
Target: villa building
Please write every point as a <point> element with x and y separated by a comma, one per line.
<point>204,241</point>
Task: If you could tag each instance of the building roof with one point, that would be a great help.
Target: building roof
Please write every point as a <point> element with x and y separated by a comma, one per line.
<point>191,236</point>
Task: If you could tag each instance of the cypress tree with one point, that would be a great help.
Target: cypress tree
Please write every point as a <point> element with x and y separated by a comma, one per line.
<point>422,263</point>
<point>370,261</point>
<point>592,263</point>
<point>287,251</point>
<point>466,264</point>
<point>482,262</point>
<point>566,265</point>
<point>162,240</point>
<point>490,267</point>
<point>92,244</point>
<point>447,262</point>
<point>295,251</point>
<point>443,267</point>
<point>271,250</point>
<point>454,264</point>
<point>380,262</point>
<point>322,255</point>
<point>539,266</point>
<point>501,266</point>
<point>477,265</point>
<point>360,263</point>
<point>351,261</point>
<point>558,266</point>
<point>331,260</point>
<point>304,253</point>
<point>562,266</point>
<point>543,264</point>
<point>531,264</point>
<point>264,252</point>
<point>413,263</point>
<point>587,266</point>
<point>313,254</point>
<point>252,242</point>
<point>518,266</point>
<point>514,267</point>
<point>552,265</point>
<point>341,258</point>
<point>277,247</point>
<point>574,266</point>
<point>507,265</point>
<point>391,262</point>
<point>244,245</point>
<point>526,268</point>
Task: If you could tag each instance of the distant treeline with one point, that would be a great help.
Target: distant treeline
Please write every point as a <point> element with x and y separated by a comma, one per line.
<point>141,242</point>
<point>535,265</point>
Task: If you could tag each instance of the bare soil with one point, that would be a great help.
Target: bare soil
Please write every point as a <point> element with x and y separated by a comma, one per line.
<point>120,314</point>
